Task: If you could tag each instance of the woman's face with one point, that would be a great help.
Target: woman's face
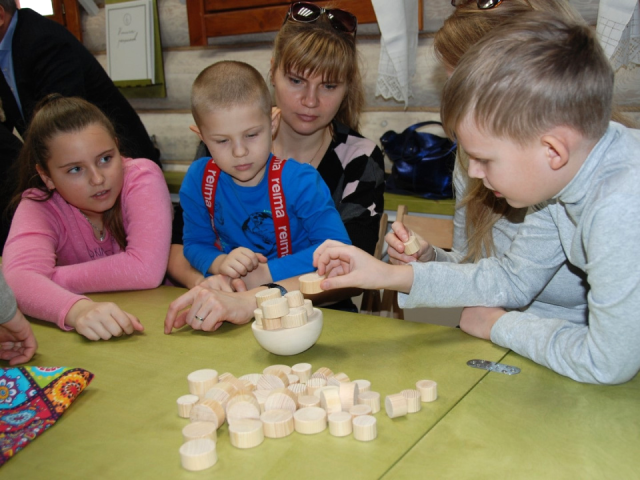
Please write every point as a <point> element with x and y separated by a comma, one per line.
<point>307,103</point>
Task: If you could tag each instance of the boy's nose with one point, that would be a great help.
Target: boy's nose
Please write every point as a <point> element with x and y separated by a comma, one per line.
<point>240,150</point>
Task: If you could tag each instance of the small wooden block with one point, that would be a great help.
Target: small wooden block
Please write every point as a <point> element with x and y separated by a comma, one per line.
<point>257,314</point>
<point>296,317</point>
<point>208,411</point>
<point>272,323</point>
<point>222,392</point>
<point>308,305</point>
<point>226,377</point>
<point>295,298</point>
<point>340,424</point>
<point>396,405</point>
<point>298,388</point>
<point>308,401</point>
<point>273,369</point>
<point>241,407</point>
<point>270,382</point>
<point>281,401</point>
<point>428,390</point>
<point>268,294</point>
<point>246,433</point>
<point>327,372</point>
<point>196,430</point>
<point>372,399</point>
<point>411,246</point>
<point>314,384</point>
<point>252,377</point>
<point>293,379</point>
<point>198,454</point>
<point>261,396</point>
<point>341,377</point>
<point>302,370</point>
<point>363,385</point>
<point>274,308</point>
<point>310,420</point>
<point>365,428</point>
<point>185,403</point>
<point>277,423</point>
<point>348,395</point>
<point>413,400</point>
<point>202,380</point>
<point>330,400</point>
<point>358,410</point>
<point>310,283</point>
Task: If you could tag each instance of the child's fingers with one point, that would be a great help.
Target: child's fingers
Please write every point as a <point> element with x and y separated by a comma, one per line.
<point>401,231</point>
<point>262,258</point>
<point>238,285</point>
<point>327,244</point>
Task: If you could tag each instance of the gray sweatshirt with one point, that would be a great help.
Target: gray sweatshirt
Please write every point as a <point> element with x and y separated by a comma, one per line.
<point>8,307</point>
<point>592,224</point>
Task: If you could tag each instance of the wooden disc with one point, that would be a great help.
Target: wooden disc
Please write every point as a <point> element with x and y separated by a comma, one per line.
<point>198,454</point>
<point>277,423</point>
<point>242,406</point>
<point>359,410</point>
<point>314,384</point>
<point>294,298</point>
<point>308,305</point>
<point>428,390</point>
<point>252,377</point>
<point>348,395</point>
<point>293,379</point>
<point>327,372</point>
<point>269,382</point>
<point>261,396</point>
<point>202,380</point>
<point>396,405</point>
<point>363,385</point>
<point>296,317</point>
<point>310,283</point>
<point>413,397</point>
<point>196,430</point>
<point>268,294</point>
<point>281,401</point>
<point>247,433</point>
<point>272,323</point>
<point>340,424</point>
<point>274,308</point>
<point>365,428</point>
<point>310,420</point>
<point>308,401</point>
<point>411,246</point>
<point>341,377</point>
<point>274,369</point>
<point>298,388</point>
<point>226,377</point>
<point>302,370</point>
<point>185,403</point>
<point>330,399</point>
<point>257,314</point>
<point>208,411</point>
<point>372,399</point>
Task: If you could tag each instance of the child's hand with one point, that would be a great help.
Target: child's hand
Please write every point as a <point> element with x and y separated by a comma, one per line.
<point>396,238</point>
<point>239,262</point>
<point>224,283</point>
<point>17,342</point>
<point>98,321</point>
<point>478,321</point>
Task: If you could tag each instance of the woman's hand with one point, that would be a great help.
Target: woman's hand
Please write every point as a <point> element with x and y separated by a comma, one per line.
<point>101,320</point>
<point>205,309</point>
<point>348,266</point>
<point>239,262</point>
<point>17,342</point>
<point>224,283</point>
<point>478,321</point>
<point>396,238</point>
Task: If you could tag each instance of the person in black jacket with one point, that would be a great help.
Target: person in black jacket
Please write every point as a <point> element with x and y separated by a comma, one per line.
<point>37,57</point>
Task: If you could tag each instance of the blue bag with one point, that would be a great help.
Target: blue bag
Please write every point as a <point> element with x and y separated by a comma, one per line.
<point>422,162</point>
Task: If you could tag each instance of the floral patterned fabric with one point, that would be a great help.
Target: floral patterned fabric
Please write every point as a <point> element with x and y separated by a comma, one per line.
<point>32,399</point>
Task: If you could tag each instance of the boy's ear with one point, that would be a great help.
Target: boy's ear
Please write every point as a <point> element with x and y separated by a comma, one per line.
<point>196,130</point>
<point>556,149</point>
<point>276,116</point>
<point>45,178</point>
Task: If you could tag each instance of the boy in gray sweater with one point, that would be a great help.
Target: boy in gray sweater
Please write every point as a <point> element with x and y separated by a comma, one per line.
<point>530,104</point>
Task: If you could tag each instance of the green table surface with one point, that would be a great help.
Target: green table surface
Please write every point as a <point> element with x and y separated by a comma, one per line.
<point>125,424</point>
<point>533,425</point>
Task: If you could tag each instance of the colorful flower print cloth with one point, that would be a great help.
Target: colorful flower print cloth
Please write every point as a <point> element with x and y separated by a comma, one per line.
<point>32,399</point>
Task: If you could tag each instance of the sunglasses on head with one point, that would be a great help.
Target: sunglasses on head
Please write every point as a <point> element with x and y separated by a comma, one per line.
<point>304,12</point>
<point>482,4</point>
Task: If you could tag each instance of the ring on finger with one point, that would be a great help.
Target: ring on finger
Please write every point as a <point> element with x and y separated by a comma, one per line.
<point>198,318</point>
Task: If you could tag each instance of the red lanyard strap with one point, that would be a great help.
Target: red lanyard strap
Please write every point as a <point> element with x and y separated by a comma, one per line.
<point>279,213</point>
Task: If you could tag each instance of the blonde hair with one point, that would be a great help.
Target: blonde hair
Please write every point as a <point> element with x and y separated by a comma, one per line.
<point>317,47</point>
<point>227,84</point>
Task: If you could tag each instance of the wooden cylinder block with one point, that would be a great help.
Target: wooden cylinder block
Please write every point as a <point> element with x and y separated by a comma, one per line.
<point>293,379</point>
<point>268,294</point>
<point>363,385</point>
<point>274,308</point>
<point>310,283</point>
<point>185,403</point>
<point>222,392</point>
<point>246,433</point>
<point>340,424</point>
<point>257,314</point>
<point>241,407</point>
<point>413,397</point>
<point>261,396</point>
<point>359,410</point>
<point>308,401</point>
<point>365,428</point>
<point>274,369</point>
<point>396,405</point>
<point>226,377</point>
<point>308,306</point>
<point>208,411</point>
<point>296,317</point>
<point>327,372</point>
<point>314,384</point>
<point>330,399</point>
<point>411,246</point>
<point>341,377</point>
<point>348,395</point>
<point>298,389</point>
<point>272,323</point>
<point>281,400</point>
<point>302,370</point>
<point>295,298</point>
<point>202,380</point>
<point>310,420</point>
<point>277,423</point>
<point>428,390</point>
<point>198,454</point>
<point>269,382</point>
<point>251,377</point>
<point>196,430</point>
<point>371,399</point>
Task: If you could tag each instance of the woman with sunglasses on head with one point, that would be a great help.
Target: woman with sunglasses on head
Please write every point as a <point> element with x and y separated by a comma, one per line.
<point>319,94</point>
<point>485,225</point>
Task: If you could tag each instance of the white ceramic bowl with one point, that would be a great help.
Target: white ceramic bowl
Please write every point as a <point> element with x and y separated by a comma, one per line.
<point>290,341</point>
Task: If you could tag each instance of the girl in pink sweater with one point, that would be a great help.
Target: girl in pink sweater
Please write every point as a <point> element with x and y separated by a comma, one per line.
<point>88,220</point>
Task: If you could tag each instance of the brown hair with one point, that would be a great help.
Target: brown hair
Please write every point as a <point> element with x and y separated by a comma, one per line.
<point>535,72</point>
<point>317,47</point>
<point>54,115</point>
<point>226,84</point>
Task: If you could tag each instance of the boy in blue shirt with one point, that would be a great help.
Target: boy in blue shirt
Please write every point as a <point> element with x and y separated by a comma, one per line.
<point>248,214</point>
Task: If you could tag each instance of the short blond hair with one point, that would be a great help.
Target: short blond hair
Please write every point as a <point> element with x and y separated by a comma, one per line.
<point>227,84</point>
<point>530,75</point>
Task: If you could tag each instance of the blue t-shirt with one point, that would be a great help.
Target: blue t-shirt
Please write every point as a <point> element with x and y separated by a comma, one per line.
<point>242,218</point>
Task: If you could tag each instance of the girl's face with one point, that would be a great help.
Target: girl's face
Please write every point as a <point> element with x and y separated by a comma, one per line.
<point>86,169</point>
<point>307,103</point>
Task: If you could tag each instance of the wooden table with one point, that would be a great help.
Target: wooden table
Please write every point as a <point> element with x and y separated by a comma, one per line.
<point>125,424</point>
